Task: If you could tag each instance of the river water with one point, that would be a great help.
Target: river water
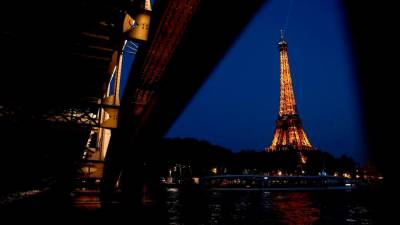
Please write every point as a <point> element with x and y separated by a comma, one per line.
<point>195,206</point>
<point>259,207</point>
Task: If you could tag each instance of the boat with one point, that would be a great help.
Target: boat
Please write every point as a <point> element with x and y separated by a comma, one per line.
<point>276,183</point>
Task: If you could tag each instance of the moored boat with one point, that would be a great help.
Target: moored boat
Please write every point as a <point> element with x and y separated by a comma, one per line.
<point>276,183</point>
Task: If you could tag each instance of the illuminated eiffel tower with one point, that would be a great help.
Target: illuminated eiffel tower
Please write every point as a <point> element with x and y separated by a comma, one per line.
<point>289,132</point>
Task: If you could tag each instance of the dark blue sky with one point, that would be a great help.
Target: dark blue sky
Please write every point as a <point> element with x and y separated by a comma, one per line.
<point>238,105</point>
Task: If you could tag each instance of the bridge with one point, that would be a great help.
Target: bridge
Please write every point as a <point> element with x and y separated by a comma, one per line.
<point>60,104</point>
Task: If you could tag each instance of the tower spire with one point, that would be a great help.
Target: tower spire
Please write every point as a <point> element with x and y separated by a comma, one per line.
<point>282,41</point>
<point>289,132</point>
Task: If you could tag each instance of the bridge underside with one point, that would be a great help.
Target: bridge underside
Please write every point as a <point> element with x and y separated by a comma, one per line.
<point>57,61</point>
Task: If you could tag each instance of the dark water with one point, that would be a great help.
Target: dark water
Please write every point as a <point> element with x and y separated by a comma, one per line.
<point>193,206</point>
<point>258,207</point>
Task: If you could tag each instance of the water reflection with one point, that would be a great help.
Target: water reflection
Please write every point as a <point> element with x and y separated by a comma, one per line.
<point>215,208</point>
<point>237,207</point>
<point>194,206</point>
<point>86,200</point>
<point>174,206</point>
<point>258,207</point>
<point>296,208</point>
<point>358,215</point>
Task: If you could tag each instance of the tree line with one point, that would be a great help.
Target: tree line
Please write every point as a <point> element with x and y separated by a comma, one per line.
<point>202,156</point>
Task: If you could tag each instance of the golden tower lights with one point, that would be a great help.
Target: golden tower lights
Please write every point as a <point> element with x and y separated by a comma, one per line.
<point>289,131</point>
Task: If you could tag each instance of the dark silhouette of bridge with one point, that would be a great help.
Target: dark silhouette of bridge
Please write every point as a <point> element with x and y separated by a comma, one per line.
<point>57,60</point>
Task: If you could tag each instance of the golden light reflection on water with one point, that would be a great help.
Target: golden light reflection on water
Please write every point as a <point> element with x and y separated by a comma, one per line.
<point>87,200</point>
<point>295,208</point>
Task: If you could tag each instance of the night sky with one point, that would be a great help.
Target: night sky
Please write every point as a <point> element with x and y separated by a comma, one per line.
<point>238,105</point>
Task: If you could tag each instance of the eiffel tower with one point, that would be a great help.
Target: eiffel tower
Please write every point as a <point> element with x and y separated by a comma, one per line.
<point>289,132</point>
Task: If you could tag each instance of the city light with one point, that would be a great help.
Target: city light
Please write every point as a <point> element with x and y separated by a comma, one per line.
<point>303,159</point>
<point>346,175</point>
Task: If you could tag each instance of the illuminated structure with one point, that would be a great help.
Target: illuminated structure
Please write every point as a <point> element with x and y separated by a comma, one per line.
<point>135,32</point>
<point>289,132</point>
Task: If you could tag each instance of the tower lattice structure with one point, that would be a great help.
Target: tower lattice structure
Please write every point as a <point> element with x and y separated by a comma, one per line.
<point>289,131</point>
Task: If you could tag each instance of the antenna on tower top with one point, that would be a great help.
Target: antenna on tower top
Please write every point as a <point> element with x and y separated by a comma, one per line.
<point>282,34</point>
